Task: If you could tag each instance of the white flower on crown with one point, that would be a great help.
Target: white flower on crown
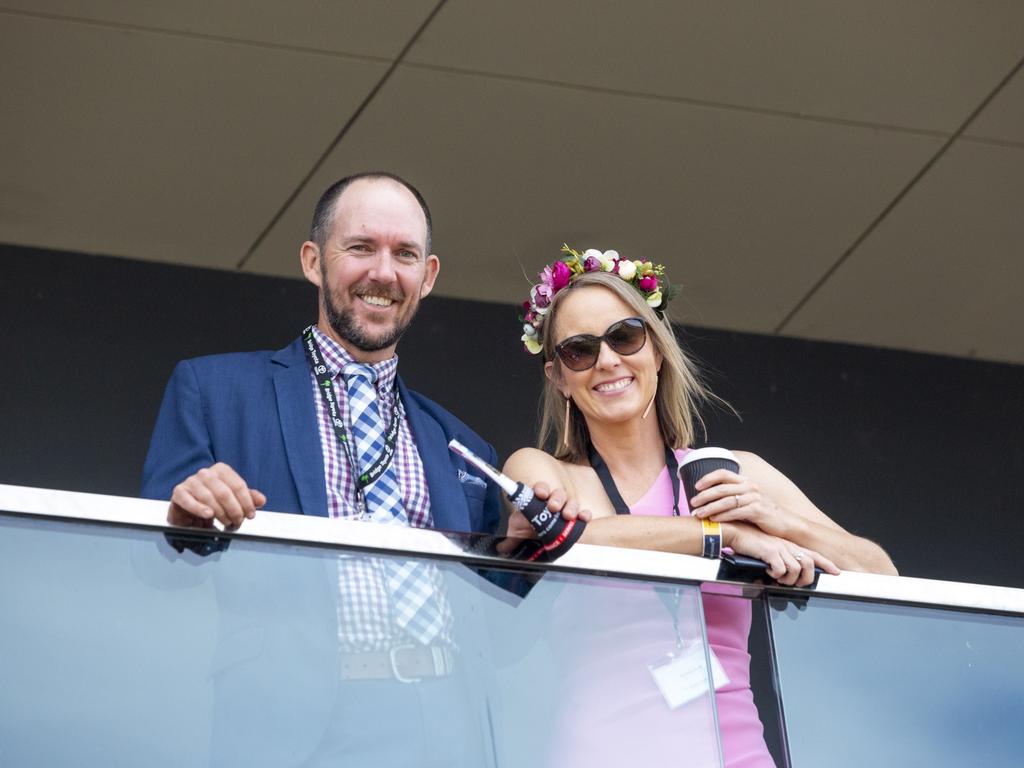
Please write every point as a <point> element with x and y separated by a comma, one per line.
<point>606,259</point>
<point>627,269</point>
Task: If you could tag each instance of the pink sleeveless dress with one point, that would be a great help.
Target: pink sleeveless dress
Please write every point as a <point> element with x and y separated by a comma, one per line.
<point>614,714</point>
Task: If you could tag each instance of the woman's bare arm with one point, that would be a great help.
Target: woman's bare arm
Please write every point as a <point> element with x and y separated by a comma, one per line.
<point>681,535</point>
<point>764,497</point>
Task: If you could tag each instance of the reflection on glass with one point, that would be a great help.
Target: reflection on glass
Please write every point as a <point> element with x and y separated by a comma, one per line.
<point>617,674</point>
<point>728,618</point>
<point>884,685</point>
<point>136,654</point>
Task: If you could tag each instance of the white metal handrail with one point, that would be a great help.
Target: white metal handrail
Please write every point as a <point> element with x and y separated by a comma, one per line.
<point>587,558</point>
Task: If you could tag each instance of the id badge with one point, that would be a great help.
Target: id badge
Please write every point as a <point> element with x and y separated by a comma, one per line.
<point>682,677</point>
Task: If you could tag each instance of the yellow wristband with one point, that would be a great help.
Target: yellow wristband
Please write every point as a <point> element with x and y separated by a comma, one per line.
<point>712,538</point>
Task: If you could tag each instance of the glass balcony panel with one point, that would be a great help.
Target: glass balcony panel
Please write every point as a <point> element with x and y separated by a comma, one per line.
<point>118,651</point>
<point>874,684</point>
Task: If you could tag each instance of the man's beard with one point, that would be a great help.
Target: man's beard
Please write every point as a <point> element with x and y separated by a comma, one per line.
<point>344,324</point>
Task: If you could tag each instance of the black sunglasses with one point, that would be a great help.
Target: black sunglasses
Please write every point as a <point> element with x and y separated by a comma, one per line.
<point>626,337</point>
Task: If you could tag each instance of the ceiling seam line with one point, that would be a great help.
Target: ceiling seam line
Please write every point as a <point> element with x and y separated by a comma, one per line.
<point>199,36</point>
<point>687,100</point>
<point>884,214</point>
<point>340,136</point>
<point>1006,143</point>
<point>704,103</point>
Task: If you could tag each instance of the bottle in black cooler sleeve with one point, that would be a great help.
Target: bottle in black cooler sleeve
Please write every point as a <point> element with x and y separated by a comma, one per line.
<point>556,534</point>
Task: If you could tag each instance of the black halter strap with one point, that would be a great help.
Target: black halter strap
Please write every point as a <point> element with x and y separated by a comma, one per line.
<point>671,603</point>
<point>612,490</point>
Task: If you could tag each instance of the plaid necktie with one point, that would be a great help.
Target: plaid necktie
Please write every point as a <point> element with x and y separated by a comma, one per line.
<point>410,581</point>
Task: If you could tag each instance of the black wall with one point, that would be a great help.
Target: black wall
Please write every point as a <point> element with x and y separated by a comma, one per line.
<point>918,452</point>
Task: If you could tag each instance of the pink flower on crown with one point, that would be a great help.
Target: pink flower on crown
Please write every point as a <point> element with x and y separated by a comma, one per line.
<point>648,283</point>
<point>561,274</point>
<point>592,264</point>
<point>542,293</point>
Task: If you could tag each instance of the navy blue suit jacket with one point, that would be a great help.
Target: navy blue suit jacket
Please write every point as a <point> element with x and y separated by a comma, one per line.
<point>278,620</point>
<point>254,411</point>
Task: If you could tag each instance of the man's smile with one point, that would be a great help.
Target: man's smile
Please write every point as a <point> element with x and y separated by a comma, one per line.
<point>377,301</point>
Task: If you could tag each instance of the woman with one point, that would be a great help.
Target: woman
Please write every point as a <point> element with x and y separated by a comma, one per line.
<point>621,397</point>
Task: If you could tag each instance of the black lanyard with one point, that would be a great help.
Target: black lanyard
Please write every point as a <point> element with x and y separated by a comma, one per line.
<point>326,388</point>
<point>613,492</point>
<point>671,603</point>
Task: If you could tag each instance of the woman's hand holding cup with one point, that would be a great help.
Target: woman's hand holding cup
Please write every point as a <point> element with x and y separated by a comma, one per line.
<point>757,527</point>
<point>715,490</point>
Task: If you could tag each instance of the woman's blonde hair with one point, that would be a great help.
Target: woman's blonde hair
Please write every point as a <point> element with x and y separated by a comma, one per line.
<point>680,388</point>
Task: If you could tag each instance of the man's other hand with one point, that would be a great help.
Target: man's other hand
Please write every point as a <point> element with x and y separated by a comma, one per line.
<point>213,493</point>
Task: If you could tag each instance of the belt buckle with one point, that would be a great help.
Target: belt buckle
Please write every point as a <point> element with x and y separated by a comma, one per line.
<point>393,656</point>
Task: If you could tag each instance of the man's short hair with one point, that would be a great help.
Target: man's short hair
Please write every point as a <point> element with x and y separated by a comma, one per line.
<point>323,214</point>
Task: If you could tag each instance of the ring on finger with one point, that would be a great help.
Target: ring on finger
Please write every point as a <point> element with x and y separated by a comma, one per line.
<point>736,498</point>
<point>798,556</point>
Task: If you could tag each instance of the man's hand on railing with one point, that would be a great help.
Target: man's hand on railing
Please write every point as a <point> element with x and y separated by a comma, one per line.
<point>213,493</point>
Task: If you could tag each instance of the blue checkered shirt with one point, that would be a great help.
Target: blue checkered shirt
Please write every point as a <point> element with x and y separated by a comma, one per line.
<point>365,606</point>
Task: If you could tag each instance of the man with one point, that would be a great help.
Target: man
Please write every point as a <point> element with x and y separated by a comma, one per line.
<point>231,420</point>
<point>319,428</point>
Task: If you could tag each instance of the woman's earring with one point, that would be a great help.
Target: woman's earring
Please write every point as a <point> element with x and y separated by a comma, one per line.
<point>565,427</point>
<point>647,410</point>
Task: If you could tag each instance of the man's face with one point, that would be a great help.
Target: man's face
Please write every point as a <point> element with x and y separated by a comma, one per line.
<point>373,269</point>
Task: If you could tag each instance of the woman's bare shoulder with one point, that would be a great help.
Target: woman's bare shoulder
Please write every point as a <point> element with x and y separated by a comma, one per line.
<point>757,468</point>
<point>532,465</point>
<point>748,459</point>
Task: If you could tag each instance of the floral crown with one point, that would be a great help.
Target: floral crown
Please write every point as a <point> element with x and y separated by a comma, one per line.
<point>649,279</point>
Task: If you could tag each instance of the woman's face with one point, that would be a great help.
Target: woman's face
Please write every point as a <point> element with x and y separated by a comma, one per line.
<point>618,387</point>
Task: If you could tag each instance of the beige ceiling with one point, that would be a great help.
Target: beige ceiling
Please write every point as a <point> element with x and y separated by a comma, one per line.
<point>847,171</point>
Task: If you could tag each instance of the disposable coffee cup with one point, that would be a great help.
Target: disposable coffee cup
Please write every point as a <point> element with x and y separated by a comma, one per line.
<point>700,462</point>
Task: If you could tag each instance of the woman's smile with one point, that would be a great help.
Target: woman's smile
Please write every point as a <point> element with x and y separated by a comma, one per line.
<point>613,387</point>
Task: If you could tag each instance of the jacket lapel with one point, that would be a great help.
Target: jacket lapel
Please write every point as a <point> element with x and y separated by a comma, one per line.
<point>447,501</point>
<point>299,429</point>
